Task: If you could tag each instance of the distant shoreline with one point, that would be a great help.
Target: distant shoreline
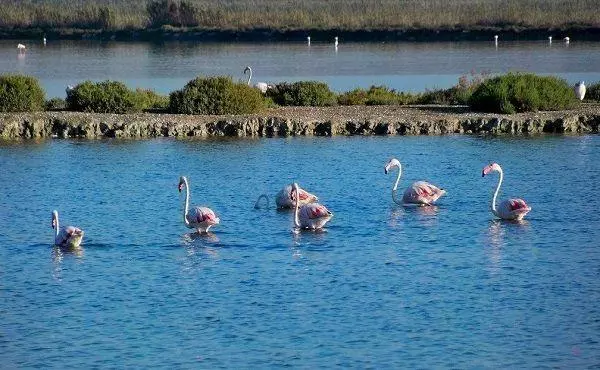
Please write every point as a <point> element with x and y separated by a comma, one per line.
<point>317,36</point>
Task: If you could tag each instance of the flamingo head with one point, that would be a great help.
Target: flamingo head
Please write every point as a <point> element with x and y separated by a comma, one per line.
<point>247,69</point>
<point>490,168</point>
<point>391,164</point>
<point>181,183</point>
<point>295,187</point>
<point>54,219</point>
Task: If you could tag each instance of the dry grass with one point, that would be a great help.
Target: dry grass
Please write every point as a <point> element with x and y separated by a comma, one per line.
<point>308,14</point>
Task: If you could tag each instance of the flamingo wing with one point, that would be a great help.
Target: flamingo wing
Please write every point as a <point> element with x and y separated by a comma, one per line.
<point>513,208</point>
<point>422,192</point>
<point>199,215</point>
<point>66,233</point>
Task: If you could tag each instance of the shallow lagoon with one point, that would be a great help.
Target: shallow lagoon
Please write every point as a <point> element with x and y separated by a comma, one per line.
<point>383,286</point>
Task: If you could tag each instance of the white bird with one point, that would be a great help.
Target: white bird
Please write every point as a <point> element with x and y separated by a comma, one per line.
<point>420,192</point>
<point>44,40</point>
<point>69,236</point>
<point>496,38</point>
<point>335,42</point>
<point>21,47</point>
<point>580,90</point>
<point>509,209</point>
<point>310,216</point>
<point>262,86</point>
<point>567,39</point>
<point>308,40</point>
<point>549,39</point>
<point>199,218</point>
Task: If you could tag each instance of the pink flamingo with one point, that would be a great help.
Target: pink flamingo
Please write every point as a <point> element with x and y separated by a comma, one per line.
<point>199,218</point>
<point>509,209</point>
<point>286,197</point>
<point>420,192</point>
<point>69,236</point>
<point>309,216</point>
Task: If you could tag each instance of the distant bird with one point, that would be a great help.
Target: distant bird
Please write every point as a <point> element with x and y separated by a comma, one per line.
<point>199,218</point>
<point>567,39</point>
<point>420,192</point>
<point>496,39</point>
<point>262,86</point>
<point>69,89</point>
<point>549,39</point>
<point>69,236</point>
<point>509,209</point>
<point>335,42</point>
<point>580,90</point>
<point>44,39</point>
<point>21,47</point>
<point>310,216</point>
<point>308,40</point>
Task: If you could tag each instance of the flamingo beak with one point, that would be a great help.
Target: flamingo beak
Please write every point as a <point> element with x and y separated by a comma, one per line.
<point>385,170</point>
<point>180,187</point>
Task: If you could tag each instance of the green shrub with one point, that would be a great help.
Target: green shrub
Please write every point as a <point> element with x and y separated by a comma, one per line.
<point>376,95</point>
<point>150,100</point>
<point>303,93</point>
<point>103,97</point>
<point>216,95</point>
<point>592,92</point>
<point>522,92</point>
<point>56,104</point>
<point>456,95</point>
<point>19,93</point>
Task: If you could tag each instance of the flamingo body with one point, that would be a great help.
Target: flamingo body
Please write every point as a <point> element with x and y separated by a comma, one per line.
<point>262,86</point>
<point>286,197</point>
<point>420,192</point>
<point>580,90</point>
<point>69,236</point>
<point>199,218</point>
<point>310,216</point>
<point>509,209</point>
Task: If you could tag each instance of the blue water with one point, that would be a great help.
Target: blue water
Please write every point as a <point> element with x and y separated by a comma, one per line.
<point>383,287</point>
<point>405,66</point>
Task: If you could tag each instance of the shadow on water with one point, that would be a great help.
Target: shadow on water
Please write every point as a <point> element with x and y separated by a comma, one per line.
<point>424,215</point>
<point>58,254</point>
<point>496,238</point>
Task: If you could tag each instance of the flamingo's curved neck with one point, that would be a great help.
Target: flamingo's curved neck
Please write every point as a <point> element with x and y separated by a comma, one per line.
<point>187,202</point>
<point>296,220</point>
<point>395,188</point>
<point>493,204</point>
<point>257,204</point>
<point>249,75</point>
<point>56,226</point>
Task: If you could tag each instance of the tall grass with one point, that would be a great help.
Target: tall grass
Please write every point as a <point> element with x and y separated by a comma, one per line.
<point>306,14</point>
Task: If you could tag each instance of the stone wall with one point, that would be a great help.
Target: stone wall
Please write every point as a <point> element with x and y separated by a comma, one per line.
<point>296,121</point>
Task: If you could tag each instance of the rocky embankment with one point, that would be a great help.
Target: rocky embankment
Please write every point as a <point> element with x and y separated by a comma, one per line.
<point>300,121</point>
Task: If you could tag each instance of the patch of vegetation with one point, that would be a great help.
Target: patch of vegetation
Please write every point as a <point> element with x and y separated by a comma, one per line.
<point>56,104</point>
<point>456,95</point>
<point>20,93</point>
<point>376,95</point>
<point>592,92</point>
<point>110,97</point>
<point>216,95</point>
<point>149,100</point>
<point>522,92</point>
<point>302,93</point>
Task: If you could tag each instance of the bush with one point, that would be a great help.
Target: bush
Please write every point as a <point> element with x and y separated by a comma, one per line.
<point>19,93</point>
<point>103,97</point>
<point>303,93</point>
<point>456,95</point>
<point>592,92</point>
<point>150,100</point>
<point>216,95</point>
<point>56,104</point>
<point>376,95</point>
<point>522,92</point>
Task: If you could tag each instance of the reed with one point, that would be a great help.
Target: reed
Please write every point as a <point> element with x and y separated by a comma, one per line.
<point>348,15</point>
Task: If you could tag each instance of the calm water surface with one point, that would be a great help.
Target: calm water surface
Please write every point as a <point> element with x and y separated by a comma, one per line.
<point>404,66</point>
<point>384,286</point>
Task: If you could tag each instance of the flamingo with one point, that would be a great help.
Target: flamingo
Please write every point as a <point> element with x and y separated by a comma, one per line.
<point>420,192</point>
<point>549,39</point>
<point>496,39</point>
<point>21,47</point>
<point>510,209</point>
<point>262,86</point>
<point>335,42</point>
<point>567,39</point>
<point>308,40</point>
<point>69,236</point>
<point>199,218</point>
<point>580,90</point>
<point>310,216</point>
<point>286,196</point>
